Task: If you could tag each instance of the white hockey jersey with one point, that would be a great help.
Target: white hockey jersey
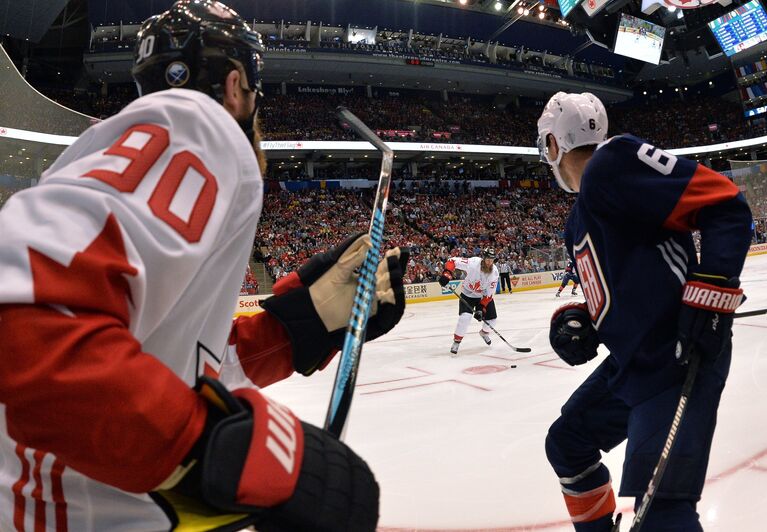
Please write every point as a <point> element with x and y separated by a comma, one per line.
<point>476,283</point>
<point>121,271</point>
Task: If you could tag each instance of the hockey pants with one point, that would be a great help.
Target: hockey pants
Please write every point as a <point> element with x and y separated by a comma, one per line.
<point>594,420</point>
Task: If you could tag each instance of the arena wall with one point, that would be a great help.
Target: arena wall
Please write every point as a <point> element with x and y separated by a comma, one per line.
<point>425,292</point>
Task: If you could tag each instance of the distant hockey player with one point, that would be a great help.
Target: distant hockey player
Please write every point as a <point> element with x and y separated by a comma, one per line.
<point>569,275</point>
<point>476,297</point>
<point>633,217</point>
<point>120,274</point>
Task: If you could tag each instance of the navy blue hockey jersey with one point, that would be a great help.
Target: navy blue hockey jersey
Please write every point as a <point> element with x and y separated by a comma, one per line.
<point>629,233</point>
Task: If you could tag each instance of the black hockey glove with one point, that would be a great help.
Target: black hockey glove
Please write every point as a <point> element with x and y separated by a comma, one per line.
<point>257,464</point>
<point>706,314</point>
<point>572,335</point>
<point>445,278</point>
<point>481,311</point>
<point>314,303</point>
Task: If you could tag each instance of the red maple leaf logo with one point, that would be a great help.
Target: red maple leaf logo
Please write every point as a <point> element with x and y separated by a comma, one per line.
<point>94,280</point>
<point>475,287</point>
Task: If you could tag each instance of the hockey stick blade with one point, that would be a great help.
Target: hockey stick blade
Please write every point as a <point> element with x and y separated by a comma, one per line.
<point>362,130</point>
<point>517,349</point>
<point>346,375</point>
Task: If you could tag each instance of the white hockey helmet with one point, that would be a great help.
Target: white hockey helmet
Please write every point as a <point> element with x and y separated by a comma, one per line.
<point>575,120</point>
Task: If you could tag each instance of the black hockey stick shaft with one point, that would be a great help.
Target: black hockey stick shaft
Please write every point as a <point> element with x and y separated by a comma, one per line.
<point>660,468</point>
<point>750,313</point>
<point>517,349</point>
<point>346,375</point>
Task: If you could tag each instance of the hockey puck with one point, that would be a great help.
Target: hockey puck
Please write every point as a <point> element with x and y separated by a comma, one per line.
<point>513,366</point>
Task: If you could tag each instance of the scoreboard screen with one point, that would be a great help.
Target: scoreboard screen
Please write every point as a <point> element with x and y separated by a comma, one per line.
<point>565,6</point>
<point>741,28</point>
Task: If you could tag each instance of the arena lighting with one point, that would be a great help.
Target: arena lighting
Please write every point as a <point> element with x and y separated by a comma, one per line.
<point>541,8</point>
<point>462,2</point>
<point>498,6</point>
<point>541,15</point>
<point>520,10</point>
<point>526,12</point>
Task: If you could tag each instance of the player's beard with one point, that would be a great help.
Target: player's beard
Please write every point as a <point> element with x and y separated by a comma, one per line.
<point>260,155</point>
<point>252,130</point>
<point>485,268</point>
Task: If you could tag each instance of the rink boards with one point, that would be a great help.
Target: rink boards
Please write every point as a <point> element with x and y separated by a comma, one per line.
<point>426,292</point>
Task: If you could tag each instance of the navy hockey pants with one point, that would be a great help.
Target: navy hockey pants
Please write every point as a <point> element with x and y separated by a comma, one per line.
<point>595,420</point>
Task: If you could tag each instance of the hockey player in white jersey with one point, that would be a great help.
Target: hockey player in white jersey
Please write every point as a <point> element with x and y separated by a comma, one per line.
<point>477,291</point>
<point>121,270</point>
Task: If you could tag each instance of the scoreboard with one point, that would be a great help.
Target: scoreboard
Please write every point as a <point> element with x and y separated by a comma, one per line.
<point>741,28</point>
<point>565,6</point>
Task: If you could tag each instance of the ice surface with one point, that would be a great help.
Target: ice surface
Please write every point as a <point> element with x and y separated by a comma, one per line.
<point>458,443</point>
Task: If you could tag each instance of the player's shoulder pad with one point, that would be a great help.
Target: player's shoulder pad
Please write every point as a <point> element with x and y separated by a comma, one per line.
<point>613,160</point>
<point>197,121</point>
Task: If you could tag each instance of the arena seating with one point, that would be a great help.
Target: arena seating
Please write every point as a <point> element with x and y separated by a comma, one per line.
<point>464,119</point>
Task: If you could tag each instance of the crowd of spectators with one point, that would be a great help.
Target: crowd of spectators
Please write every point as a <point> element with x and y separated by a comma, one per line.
<point>411,116</point>
<point>516,222</point>
<point>294,226</point>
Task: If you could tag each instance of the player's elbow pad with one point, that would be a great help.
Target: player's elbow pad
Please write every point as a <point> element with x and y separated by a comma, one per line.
<point>256,458</point>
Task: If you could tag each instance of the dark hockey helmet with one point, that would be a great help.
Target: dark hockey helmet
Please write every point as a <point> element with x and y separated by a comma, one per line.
<point>194,45</point>
<point>488,253</point>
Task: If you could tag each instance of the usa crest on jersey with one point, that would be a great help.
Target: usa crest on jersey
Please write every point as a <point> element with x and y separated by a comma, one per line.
<point>592,280</point>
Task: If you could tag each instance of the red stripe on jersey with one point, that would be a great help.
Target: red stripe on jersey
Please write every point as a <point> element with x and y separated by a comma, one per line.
<point>121,416</point>
<point>57,493</point>
<point>263,347</point>
<point>19,502</point>
<point>37,492</point>
<point>706,187</point>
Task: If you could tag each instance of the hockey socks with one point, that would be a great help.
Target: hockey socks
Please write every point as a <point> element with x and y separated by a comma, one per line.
<point>590,499</point>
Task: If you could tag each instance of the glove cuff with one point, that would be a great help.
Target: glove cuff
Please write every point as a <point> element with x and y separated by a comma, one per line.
<point>711,297</point>
<point>311,342</point>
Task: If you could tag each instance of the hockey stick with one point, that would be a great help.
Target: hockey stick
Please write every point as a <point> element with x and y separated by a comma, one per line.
<point>346,375</point>
<point>750,313</point>
<point>517,349</point>
<point>660,468</point>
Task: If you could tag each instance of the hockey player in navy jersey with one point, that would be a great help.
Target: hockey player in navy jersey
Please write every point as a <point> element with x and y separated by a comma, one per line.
<point>569,275</point>
<point>634,214</point>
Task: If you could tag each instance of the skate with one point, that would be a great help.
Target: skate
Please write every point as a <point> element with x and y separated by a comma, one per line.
<point>486,337</point>
<point>574,292</point>
<point>558,293</point>
<point>454,349</point>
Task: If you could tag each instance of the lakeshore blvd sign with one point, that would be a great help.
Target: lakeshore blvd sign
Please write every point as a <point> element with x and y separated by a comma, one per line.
<point>650,6</point>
